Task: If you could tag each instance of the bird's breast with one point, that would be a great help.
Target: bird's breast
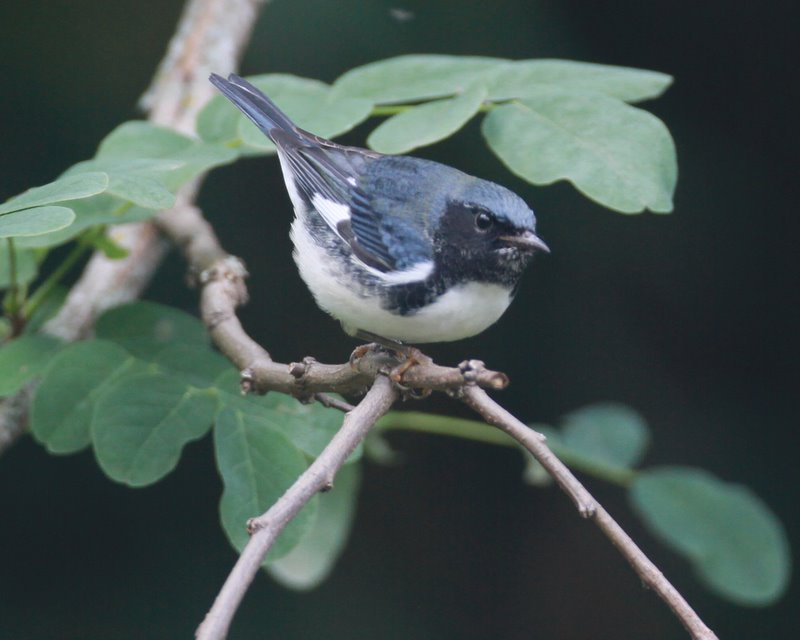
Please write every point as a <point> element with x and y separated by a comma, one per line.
<point>461,311</point>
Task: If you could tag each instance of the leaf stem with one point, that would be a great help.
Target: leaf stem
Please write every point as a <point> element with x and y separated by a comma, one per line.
<point>82,247</point>
<point>12,276</point>
<point>394,109</point>
<point>390,109</point>
<point>477,432</point>
<point>122,208</point>
<point>11,303</point>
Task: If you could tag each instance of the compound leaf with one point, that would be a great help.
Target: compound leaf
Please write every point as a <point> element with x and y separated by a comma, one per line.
<point>257,465</point>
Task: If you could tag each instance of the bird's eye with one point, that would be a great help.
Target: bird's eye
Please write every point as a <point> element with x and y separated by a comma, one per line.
<point>483,221</point>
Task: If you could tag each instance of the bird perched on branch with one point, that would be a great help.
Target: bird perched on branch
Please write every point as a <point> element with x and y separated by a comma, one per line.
<point>395,247</point>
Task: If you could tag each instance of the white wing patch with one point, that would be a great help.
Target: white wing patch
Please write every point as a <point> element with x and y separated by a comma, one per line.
<point>335,212</point>
<point>332,212</point>
<point>418,272</point>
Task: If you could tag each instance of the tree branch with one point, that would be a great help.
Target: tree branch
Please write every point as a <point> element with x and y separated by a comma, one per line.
<point>14,417</point>
<point>211,35</point>
<point>588,507</point>
<point>318,477</point>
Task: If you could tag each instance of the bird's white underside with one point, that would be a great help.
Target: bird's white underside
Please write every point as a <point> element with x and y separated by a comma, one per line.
<point>463,311</point>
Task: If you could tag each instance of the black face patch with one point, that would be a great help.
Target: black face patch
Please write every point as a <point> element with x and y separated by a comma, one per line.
<point>470,225</point>
<point>468,246</point>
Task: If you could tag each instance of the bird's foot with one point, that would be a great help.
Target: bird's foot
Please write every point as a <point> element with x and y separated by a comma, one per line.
<point>409,355</point>
<point>362,350</point>
<point>413,357</point>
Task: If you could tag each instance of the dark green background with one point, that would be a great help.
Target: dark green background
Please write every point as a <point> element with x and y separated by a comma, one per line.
<point>688,318</point>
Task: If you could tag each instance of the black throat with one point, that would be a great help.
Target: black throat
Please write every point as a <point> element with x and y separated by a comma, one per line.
<point>461,254</point>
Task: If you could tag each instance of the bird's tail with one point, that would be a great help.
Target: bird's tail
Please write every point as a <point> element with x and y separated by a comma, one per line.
<point>263,112</point>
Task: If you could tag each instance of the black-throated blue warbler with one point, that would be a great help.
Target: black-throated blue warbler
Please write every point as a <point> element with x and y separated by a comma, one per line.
<point>395,247</point>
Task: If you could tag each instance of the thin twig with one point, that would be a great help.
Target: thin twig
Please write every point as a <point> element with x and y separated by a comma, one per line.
<point>318,477</point>
<point>333,403</point>
<point>588,507</point>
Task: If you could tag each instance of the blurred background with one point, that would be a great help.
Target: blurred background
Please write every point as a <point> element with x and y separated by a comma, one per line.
<point>687,318</point>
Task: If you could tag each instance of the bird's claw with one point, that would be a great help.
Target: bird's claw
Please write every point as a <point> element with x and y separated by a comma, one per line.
<point>413,356</point>
<point>360,351</point>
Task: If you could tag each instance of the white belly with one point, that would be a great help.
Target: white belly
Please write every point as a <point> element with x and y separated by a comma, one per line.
<point>463,311</point>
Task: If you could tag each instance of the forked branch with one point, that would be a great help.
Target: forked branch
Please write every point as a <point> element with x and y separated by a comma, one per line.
<point>318,477</point>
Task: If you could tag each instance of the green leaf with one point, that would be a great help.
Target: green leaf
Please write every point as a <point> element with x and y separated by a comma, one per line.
<point>140,139</point>
<point>34,222</point>
<point>155,152</point>
<point>100,209</point>
<point>109,247</point>
<point>607,433</point>
<point>67,187</point>
<point>615,154</point>
<point>736,545</point>
<point>146,328</point>
<point>427,123</point>
<point>142,190</point>
<point>62,408</point>
<point>309,103</point>
<point>46,310</point>
<point>519,79</point>
<point>312,560</point>
<point>257,465</point>
<point>197,159</point>
<point>26,264</point>
<point>218,121</point>
<point>413,78</point>
<point>23,359</point>
<point>194,363</point>
<point>309,427</point>
<point>141,423</point>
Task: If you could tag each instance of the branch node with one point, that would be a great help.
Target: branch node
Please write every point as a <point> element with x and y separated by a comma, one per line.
<point>231,272</point>
<point>475,372</point>
<point>326,487</point>
<point>297,370</point>
<point>247,381</point>
<point>470,369</point>
<point>253,525</point>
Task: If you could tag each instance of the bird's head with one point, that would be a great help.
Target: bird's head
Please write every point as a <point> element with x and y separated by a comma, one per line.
<point>487,233</point>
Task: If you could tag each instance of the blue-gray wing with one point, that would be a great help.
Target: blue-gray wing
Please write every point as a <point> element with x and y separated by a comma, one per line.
<point>377,204</point>
<point>380,205</point>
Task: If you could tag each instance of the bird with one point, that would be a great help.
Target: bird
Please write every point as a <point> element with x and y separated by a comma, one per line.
<point>400,250</point>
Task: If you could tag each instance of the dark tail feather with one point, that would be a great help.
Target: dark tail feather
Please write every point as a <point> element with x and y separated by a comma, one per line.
<point>254,104</point>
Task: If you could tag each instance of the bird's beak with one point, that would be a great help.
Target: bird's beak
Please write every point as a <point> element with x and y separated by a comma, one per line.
<point>527,240</point>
